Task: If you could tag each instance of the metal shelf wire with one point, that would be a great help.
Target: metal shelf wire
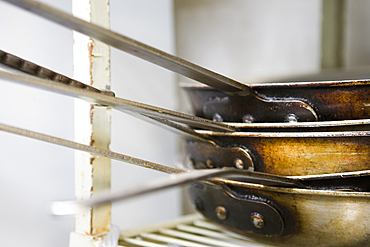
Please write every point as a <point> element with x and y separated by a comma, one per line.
<point>187,231</point>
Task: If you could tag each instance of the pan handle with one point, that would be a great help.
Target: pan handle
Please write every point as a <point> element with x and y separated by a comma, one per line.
<point>241,213</point>
<point>73,207</point>
<point>23,67</point>
<point>263,178</point>
<point>152,114</point>
<point>114,102</point>
<point>17,64</point>
<point>275,107</point>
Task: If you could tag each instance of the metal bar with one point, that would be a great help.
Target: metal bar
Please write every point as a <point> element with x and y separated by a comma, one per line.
<point>201,239</point>
<point>116,103</point>
<point>18,64</point>
<point>172,240</point>
<point>264,178</point>
<point>134,47</point>
<point>183,131</point>
<point>90,149</point>
<point>206,224</point>
<point>144,236</point>
<point>15,63</point>
<point>186,219</point>
<point>165,60</point>
<point>143,243</point>
<point>211,234</point>
<point>71,207</point>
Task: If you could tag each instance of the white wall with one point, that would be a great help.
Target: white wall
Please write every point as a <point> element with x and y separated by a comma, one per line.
<point>250,39</point>
<point>32,174</point>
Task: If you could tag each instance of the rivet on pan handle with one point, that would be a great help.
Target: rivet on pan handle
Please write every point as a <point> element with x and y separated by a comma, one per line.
<point>202,155</point>
<point>251,214</point>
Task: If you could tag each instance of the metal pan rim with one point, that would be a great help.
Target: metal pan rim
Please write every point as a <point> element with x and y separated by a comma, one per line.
<point>287,134</point>
<point>338,123</point>
<point>296,191</point>
<point>329,83</point>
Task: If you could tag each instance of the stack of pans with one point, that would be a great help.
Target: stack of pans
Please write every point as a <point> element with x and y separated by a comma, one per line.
<point>316,135</point>
<point>330,156</point>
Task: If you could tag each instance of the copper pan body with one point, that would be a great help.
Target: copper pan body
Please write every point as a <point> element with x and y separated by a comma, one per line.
<point>340,100</point>
<point>285,153</point>
<point>286,216</point>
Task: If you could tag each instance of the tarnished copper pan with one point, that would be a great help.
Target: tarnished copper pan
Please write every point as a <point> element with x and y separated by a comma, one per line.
<point>332,100</point>
<point>284,153</point>
<point>286,216</point>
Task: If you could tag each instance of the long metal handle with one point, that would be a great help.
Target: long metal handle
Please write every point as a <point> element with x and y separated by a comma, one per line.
<point>242,175</point>
<point>278,108</point>
<point>134,47</point>
<point>266,179</point>
<point>89,149</point>
<point>181,130</point>
<point>72,207</point>
<point>15,63</point>
<point>257,176</point>
<point>116,103</point>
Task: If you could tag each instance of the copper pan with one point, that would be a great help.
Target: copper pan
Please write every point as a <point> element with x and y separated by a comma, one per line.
<point>283,153</point>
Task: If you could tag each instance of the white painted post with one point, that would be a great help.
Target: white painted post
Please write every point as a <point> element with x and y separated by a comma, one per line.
<point>92,125</point>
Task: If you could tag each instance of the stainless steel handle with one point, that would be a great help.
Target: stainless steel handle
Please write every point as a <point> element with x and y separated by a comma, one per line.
<point>264,178</point>
<point>187,177</point>
<point>116,103</point>
<point>15,63</point>
<point>275,107</point>
<point>135,48</point>
<point>178,177</point>
<point>89,149</point>
<point>72,207</point>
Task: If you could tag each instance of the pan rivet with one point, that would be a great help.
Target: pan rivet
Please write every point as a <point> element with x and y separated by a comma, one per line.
<point>248,118</point>
<point>257,220</point>
<point>221,212</point>
<point>238,163</point>
<point>291,118</point>
<point>217,117</point>
<point>209,163</point>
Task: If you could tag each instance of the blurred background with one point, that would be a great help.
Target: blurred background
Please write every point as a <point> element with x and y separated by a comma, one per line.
<point>250,41</point>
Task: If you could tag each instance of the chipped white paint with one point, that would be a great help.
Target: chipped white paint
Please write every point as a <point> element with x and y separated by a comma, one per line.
<point>92,124</point>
